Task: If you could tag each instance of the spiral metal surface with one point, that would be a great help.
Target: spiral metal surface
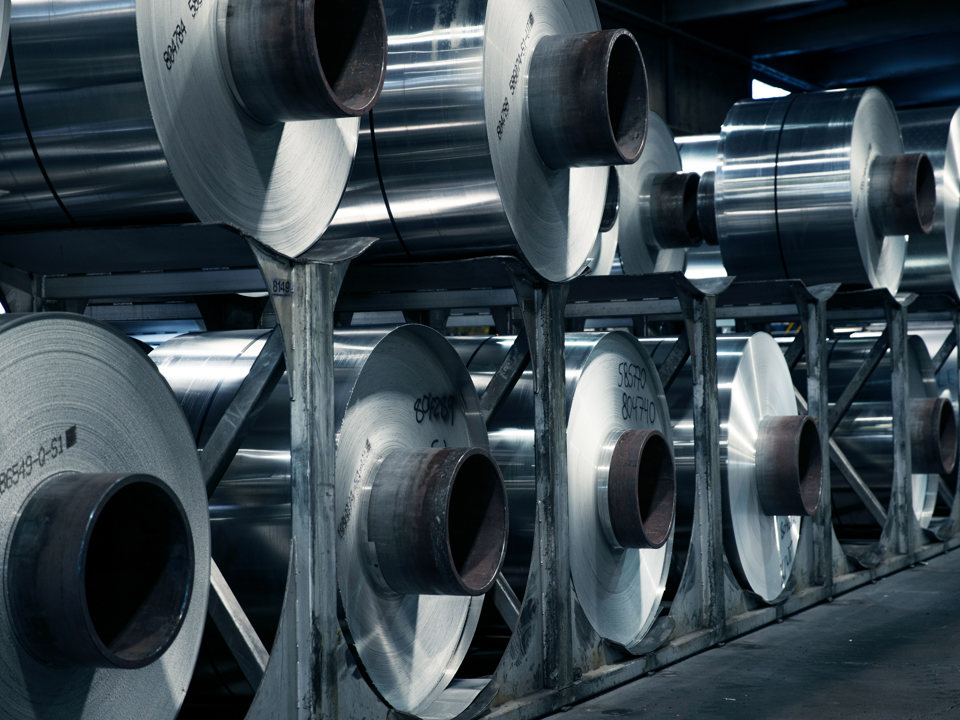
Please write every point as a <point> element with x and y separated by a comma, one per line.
<point>865,434</point>
<point>612,388</point>
<point>450,163</point>
<point>933,261</point>
<point>641,250</point>
<point>396,392</point>
<point>809,176</point>
<point>98,465</point>
<point>139,115</point>
<point>753,385</point>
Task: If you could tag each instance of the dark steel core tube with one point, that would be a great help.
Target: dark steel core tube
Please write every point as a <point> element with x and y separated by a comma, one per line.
<point>642,489</point>
<point>933,436</point>
<point>903,194</point>
<point>789,470</point>
<point>587,97</point>
<point>706,208</point>
<point>674,209</point>
<point>100,570</point>
<point>438,521</point>
<point>293,60</point>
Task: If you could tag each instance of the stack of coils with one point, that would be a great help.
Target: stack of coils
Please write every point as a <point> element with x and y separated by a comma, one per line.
<point>865,435</point>
<point>421,504</point>
<point>494,134</point>
<point>240,113</point>
<point>770,460</point>
<point>819,175</point>
<point>657,217</point>
<point>620,476</point>
<point>105,564</point>
<point>933,261</point>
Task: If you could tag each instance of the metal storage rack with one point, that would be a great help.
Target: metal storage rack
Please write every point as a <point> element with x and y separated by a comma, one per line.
<point>553,657</point>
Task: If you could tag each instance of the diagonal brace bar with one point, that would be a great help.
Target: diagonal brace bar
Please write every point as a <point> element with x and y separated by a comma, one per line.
<point>235,627</point>
<point>859,378</point>
<point>949,343</point>
<point>506,377</point>
<point>243,410</point>
<point>795,351</point>
<point>674,362</point>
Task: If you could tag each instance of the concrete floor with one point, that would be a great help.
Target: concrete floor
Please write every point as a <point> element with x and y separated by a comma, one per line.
<point>889,650</point>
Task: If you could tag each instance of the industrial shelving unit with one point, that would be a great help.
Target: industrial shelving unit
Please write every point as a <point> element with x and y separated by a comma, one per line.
<point>553,657</point>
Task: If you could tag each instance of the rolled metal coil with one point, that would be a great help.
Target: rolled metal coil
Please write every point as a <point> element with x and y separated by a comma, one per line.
<point>492,136</point>
<point>658,206</point>
<point>769,459</point>
<point>819,175</point>
<point>698,153</point>
<point>933,261</point>
<point>105,569</point>
<point>865,435</point>
<point>237,113</point>
<point>620,476</point>
<point>410,460</point>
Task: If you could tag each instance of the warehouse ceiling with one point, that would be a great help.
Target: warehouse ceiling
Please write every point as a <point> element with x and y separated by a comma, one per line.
<point>910,49</point>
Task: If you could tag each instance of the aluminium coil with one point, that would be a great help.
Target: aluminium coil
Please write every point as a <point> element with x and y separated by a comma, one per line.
<point>698,153</point>
<point>450,163</point>
<point>933,261</point>
<point>812,176</point>
<point>395,391</point>
<point>753,388</point>
<point>142,112</point>
<point>612,389</point>
<point>105,531</point>
<point>641,251</point>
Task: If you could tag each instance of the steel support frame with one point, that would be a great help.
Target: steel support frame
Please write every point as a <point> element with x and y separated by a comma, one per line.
<point>900,533</point>
<point>311,672</point>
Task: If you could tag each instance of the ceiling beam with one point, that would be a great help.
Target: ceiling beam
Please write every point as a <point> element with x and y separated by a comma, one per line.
<point>679,11</point>
<point>912,56</point>
<point>858,25</point>
<point>930,88</point>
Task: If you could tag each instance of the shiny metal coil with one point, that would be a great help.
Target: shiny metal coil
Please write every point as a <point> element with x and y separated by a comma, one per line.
<point>451,164</point>
<point>105,569</point>
<point>612,387</point>
<point>396,392</point>
<point>865,434</point>
<point>818,175</point>
<point>753,385</point>
<point>698,153</point>
<point>933,261</point>
<point>147,112</point>
<point>642,207</point>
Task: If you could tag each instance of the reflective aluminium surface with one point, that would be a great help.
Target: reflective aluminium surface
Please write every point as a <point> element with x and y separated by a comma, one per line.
<point>698,153</point>
<point>640,250</point>
<point>397,391</point>
<point>612,387</point>
<point>753,383</point>
<point>134,119</point>
<point>451,146</point>
<point>865,434</point>
<point>933,261</point>
<point>83,402</point>
<point>798,180</point>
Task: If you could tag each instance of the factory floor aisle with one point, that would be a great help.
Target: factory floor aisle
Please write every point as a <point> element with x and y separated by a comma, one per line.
<point>886,651</point>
